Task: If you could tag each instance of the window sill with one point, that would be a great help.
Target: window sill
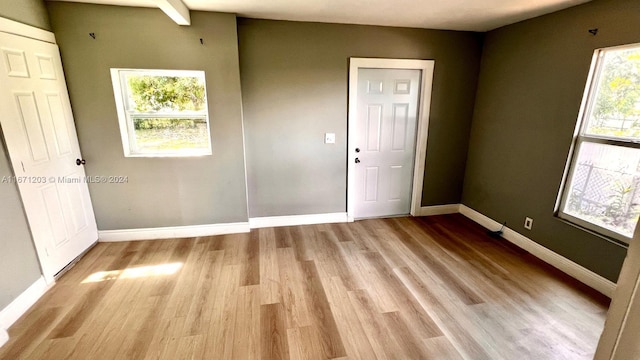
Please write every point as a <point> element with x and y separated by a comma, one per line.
<point>166,155</point>
<point>592,232</point>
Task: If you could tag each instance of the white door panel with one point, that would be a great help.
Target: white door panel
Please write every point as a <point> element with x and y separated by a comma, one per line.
<point>37,123</point>
<point>62,140</point>
<point>388,102</point>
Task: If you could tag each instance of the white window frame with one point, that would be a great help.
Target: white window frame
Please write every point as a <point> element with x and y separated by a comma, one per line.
<point>580,137</point>
<point>127,131</point>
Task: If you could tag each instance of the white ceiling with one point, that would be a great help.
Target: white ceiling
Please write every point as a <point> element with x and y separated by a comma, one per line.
<point>473,15</point>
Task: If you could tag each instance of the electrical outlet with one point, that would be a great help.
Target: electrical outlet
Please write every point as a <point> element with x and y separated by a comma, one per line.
<point>330,138</point>
<point>528,223</point>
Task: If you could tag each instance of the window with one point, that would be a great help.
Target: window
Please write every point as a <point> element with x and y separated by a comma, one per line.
<point>162,112</point>
<point>602,191</point>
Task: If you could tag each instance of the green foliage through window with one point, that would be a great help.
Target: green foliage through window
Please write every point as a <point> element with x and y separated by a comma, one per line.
<point>616,111</point>
<point>166,93</point>
<point>148,124</point>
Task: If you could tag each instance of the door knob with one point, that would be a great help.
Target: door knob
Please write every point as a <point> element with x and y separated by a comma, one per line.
<point>357,161</point>
<point>357,149</point>
<point>80,162</point>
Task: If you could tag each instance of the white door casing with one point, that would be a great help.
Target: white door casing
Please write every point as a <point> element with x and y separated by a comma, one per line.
<point>619,339</point>
<point>387,97</point>
<point>39,131</point>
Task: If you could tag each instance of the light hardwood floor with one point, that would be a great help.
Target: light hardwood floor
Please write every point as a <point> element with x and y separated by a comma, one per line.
<point>402,288</point>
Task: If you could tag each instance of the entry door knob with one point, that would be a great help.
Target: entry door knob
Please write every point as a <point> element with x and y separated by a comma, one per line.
<point>357,149</point>
<point>80,162</point>
<point>357,161</point>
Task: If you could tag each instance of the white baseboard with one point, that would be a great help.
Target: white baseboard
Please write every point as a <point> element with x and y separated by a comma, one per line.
<point>4,337</point>
<point>172,232</point>
<point>584,275</point>
<point>274,221</point>
<point>20,305</point>
<point>438,210</point>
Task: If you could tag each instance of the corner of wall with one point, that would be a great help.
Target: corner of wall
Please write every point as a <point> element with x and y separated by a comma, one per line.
<point>21,304</point>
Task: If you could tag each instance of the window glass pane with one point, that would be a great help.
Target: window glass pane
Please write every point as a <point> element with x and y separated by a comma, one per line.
<point>162,112</point>
<point>604,187</point>
<point>165,93</point>
<point>615,108</point>
<point>166,136</point>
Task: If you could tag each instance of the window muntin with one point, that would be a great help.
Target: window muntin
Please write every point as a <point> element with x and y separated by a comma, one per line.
<point>602,192</point>
<point>162,112</point>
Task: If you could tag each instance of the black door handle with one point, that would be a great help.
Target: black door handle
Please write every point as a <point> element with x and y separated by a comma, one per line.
<point>357,161</point>
<point>80,162</point>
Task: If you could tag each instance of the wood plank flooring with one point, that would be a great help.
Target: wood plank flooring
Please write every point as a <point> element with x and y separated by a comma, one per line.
<point>401,288</point>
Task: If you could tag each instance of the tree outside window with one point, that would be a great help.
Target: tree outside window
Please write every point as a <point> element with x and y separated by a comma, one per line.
<point>162,112</point>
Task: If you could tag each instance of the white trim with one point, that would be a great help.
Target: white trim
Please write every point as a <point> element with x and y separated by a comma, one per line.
<point>50,279</point>
<point>274,221</point>
<point>588,277</point>
<point>172,232</point>
<point>4,337</point>
<point>22,303</point>
<point>438,210</point>
<point>18,28</point>
<point>427,67</point>
<point>176,10</point>
<point>621,326</point>
<point>423,132</point>
<point>244,150</point>
<point>576,131</point>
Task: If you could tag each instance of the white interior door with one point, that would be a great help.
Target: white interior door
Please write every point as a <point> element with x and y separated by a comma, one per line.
<point>385,139</point>
<point>38,127</point>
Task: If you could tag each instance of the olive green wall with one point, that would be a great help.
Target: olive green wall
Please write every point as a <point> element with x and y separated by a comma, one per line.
<point>161,191</point>
<point>295,88</point>
<point>20,267</point>
<point>30,12</point>
<point>532,78</point>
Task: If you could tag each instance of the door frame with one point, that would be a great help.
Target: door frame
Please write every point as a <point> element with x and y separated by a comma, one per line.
<point>424,107</point>
<point>17,28</point>
<point>622,322</point>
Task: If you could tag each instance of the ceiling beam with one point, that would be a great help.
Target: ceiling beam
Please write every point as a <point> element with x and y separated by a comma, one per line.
<point>176,10</point>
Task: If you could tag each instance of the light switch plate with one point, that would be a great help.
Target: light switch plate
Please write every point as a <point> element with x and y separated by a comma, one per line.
<point>330,138</point>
